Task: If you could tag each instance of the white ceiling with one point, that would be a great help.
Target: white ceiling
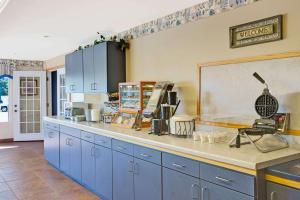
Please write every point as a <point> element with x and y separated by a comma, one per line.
<point>71,23</point>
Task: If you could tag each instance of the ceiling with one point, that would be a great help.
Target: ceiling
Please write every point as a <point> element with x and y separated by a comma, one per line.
<point>43,29</point>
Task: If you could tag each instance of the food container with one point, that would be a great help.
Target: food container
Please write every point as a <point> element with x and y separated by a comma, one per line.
<point>182,125</point>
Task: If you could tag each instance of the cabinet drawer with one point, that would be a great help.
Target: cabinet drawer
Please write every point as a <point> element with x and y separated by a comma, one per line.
<point>103,141</point>
<point>122,147</point>
<point>227,178</point>
<point>181,164</point>
<point>210,191</point>
<point>147,154</point>
<point>87,136</point>
<point>70,131</point>
<point>52,126</point>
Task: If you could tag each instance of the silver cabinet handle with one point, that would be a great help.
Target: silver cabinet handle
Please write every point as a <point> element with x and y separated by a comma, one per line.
<point>136,169</point>
<point>95,86</point>
<point>93,151</point>
<point>203,190</point>
<point>178,166</point>
<point>223,179</point>
<point>67,141</point>
<point>130,166</point>
<point>87,136</point>
<point>121,148</point>
<point>197,191</point>
<point>50,134</point>
<point>145,155</point>
<point>70,142</point>
<point>92,88</point>
<point>273,195</point>
<point>101,141</point>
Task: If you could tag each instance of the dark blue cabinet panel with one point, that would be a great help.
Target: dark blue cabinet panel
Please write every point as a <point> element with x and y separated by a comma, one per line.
<point>147,180</point>
<point>280,192</point>
<point>123,188</point>
<point>51,146</point>
<point>179,186</point>
<point>74,72</point>
<point>100,67</point>
<point>89,72</point>
<point>103,172</point>
<point>210,191</point>
<point>88,164</point>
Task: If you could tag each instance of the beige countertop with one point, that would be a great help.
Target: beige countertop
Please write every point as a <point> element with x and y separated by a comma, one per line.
<point>245,157</point>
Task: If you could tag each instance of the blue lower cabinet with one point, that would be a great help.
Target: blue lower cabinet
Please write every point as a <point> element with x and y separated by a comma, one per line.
<point>64,153</point>
<point>123,187</point>
<point>210,191</point>
<point>179,186</point>
<point>70,156</point>
<point>103,172</point>
<point>51,146</point>
<point>147,180</point>
<point>280,192</point>
<point>88,164</point>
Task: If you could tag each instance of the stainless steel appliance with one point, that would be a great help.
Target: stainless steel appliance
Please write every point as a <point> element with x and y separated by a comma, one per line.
<point>265,133</point>
<point>72,112</point>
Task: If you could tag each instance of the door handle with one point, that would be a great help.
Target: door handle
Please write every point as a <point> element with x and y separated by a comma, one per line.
<point>273,195</point>
<point>130,166</point>
<point>224,180</point>
<point>145,155</point>
<point>197,188</point>
<point>178,166</point>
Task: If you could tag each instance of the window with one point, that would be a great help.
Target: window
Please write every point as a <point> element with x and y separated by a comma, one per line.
<point>61,93</point>
<point>4,99</point>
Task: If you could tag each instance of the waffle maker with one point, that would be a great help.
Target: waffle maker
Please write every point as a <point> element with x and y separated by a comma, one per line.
<point>265,133</point>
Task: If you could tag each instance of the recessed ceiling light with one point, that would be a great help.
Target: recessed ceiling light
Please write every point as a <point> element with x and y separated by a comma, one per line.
<point>3,4</point>
<point>46,36</point>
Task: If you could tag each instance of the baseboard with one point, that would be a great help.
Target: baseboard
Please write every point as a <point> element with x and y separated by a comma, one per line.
<point>8,140</point>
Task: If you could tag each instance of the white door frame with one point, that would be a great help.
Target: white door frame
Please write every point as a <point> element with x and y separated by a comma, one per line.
<point>16,99</point>
<point>60,71</point>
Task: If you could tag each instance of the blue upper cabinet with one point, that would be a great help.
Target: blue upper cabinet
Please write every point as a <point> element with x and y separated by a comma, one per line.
<point>89,71</point>
<point>97,69</point>
<point>74,72</point>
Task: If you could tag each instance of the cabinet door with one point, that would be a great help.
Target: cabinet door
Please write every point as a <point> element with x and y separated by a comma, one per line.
<point>210,191</point>
<point>178,186</point>
<point>279,192</point>
<point>64,154</point>
<point>74,72</point>
<point>75,158</point>
<point>51,146</point>
<point>100,67</point>
<point>88,164</point>
<point>122,176</point>
<point>88,69</point>
<point>104,173</point>
<point>147,180</point>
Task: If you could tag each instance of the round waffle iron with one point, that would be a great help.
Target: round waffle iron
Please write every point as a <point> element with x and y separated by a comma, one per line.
<point>266,105</point>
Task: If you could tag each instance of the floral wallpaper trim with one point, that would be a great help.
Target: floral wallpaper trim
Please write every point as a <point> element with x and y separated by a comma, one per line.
<point>194,13</point>
<point>7,66</point>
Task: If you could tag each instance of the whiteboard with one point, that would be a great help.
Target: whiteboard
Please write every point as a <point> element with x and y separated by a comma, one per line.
<point>228,92</point>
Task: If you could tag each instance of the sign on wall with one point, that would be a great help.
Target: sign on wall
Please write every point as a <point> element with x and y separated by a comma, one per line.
<point>257,32</point>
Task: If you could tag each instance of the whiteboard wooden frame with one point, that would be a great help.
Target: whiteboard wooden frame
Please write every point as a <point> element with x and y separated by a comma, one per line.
<point>236,61</point>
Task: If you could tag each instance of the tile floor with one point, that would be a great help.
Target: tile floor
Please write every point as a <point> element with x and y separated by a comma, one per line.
<point>25,175</point>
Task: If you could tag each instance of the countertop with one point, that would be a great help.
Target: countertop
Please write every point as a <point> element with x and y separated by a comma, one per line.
<point>289,170</point>
<point>245,157</point>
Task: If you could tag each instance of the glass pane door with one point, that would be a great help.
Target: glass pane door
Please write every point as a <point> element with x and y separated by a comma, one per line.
<point>29,104</point>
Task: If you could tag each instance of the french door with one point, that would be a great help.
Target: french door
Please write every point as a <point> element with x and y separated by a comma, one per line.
<point>29,104</point>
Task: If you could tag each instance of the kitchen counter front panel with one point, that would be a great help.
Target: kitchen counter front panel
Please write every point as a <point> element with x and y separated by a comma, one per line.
<point>246,159</point>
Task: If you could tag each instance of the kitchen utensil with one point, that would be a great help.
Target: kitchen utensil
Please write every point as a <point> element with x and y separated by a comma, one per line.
<point>172,98</point>
<point>182,126</point>
<point>166,111</point>
<point>157,126</point>
<point>73,111</point>
<point>95,115</point>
